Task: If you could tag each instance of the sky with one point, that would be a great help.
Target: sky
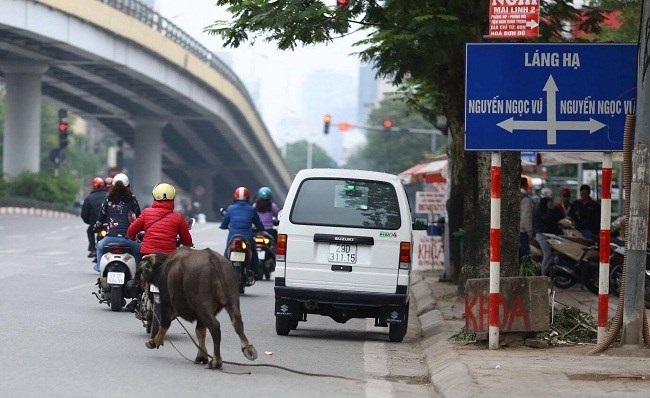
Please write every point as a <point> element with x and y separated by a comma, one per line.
<point>281,74</point>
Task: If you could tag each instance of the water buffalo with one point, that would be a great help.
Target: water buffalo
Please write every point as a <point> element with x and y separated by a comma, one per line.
<point>196,285</point>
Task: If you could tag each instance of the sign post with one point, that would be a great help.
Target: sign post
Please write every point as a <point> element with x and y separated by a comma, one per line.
<point>542,97</point>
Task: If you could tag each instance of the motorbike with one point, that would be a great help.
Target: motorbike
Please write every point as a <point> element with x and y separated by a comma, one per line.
<point>117,269</point>
<point>100,233</point>
<point>265,248</point>
<point>239,252</point>
<point>148,310</point>
<point>573,262</point>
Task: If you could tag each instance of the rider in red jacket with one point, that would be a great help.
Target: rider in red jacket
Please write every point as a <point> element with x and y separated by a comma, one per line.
<point>161,225</point>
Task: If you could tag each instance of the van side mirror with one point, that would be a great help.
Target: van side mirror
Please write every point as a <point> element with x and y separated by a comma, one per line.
<point>420,224</point>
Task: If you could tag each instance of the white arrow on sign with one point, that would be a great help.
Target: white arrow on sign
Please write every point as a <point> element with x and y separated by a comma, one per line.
<point>551,124</point>
<point>531,24</point>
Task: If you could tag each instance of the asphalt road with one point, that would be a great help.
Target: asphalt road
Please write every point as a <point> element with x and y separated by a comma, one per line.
<point>58,341</point>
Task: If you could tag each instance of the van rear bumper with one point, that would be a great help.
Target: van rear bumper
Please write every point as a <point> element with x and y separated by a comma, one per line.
<point>385,308</point>
<point>340,297</point>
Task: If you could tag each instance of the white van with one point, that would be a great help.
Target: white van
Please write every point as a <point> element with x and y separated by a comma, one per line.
<point>344,250</point>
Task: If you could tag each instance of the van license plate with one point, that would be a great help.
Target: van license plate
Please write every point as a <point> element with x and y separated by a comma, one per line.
<point>343,253</point>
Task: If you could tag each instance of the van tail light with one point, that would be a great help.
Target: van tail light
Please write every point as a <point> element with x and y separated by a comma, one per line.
<point>281,248</point>
<point>405,255</point>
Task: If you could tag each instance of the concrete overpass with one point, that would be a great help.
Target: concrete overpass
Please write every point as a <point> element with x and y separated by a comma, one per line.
<point>186,115</point>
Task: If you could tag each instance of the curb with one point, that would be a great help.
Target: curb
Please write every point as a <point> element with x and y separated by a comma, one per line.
<point>30,211</point>
<point>449,376</point>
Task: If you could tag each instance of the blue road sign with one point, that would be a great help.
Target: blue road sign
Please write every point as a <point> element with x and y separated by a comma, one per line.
<point>548,97</point>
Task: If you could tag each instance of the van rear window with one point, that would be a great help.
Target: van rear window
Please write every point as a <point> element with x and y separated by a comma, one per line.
<point>347,203</point>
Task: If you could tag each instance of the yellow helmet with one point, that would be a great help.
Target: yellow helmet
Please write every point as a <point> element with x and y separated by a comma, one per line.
<point>164,191</point>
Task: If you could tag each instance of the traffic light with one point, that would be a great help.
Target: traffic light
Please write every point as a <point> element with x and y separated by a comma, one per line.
<point>327,119</point>
<point>63,128</point>
<point>387,125</point>
<point>344,127</point>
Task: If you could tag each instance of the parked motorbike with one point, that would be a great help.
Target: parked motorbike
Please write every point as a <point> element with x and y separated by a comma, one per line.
<point>148,310</point>
<point>571,262</point>
<point>265,248</point>
<point>616,270</point>
<point>117,268</point>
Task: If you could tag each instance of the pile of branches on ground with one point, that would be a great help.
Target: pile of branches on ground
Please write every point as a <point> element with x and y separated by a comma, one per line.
<point>571,326</point>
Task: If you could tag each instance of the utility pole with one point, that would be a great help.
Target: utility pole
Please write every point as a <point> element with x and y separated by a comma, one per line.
<point>634,307</point>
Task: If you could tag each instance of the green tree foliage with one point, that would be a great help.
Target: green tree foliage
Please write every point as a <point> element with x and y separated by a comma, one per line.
<point>296,159</point>
<point>395,151</point>
<point>628,12</point>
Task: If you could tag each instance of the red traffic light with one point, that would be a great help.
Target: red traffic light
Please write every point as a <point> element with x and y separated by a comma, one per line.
<point>63,126</point>
<point>388,123</point>
<point>341,2</point>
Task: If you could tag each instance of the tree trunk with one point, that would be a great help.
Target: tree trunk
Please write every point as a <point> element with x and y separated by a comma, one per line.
<point>469,199</point>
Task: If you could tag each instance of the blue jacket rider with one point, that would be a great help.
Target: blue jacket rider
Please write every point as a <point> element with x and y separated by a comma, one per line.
<point>239,219</point>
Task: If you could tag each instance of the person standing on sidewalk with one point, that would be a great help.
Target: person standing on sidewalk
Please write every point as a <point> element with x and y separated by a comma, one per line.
<point>564,205</point>
<point>545,220</point>
<point>525,219</point>
<point>586,213</point>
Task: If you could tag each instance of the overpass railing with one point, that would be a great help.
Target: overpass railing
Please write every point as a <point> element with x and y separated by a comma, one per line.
<point>147,15</point>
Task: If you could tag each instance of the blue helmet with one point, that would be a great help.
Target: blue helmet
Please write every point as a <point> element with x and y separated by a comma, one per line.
<point>264,193</point>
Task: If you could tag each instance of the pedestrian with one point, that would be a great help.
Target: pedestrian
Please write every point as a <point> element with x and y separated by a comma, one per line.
<point>118,210</point>
<point>525,219</point>
<point>90,210</point>
<point>586,213</point>
<point>564,205</point>
<point>545,221</point>
<point>162,225</point>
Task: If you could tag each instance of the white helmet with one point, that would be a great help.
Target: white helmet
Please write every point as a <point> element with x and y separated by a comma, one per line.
<point>546,193</point>
<point>122,178</point>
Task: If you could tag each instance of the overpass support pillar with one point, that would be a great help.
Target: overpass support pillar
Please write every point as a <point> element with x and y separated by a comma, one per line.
<point>147,163</point>
<point>22,124</point>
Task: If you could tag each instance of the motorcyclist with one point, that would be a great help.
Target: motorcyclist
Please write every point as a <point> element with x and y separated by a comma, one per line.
<point>118,210</point>
<point>161,226</point>
<point>239,218</point>
<point>108,181</point>
<point>90,210</point>
<point>267,210</point>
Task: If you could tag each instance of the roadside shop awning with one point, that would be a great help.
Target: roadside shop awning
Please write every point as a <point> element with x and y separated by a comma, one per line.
<point>429,172</point>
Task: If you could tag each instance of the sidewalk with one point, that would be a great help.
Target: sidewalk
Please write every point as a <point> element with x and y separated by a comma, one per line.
<point>471,370</point>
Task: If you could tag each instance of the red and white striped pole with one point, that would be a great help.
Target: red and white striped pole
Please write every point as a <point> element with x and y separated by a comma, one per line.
<point>605,239</point>
<point>495,251</point>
